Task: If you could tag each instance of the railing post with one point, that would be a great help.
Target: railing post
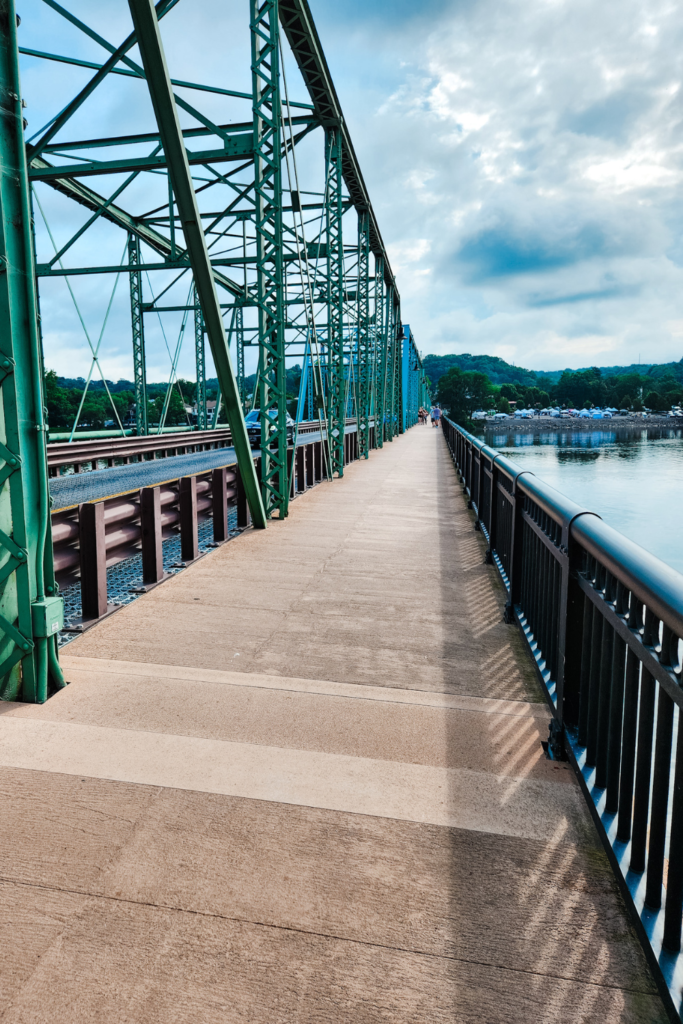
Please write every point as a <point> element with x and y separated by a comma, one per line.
<point>219,504</point>
<point>310,468</point>
<point>493,513</point>
<point>480,474</point>
<point>301,468</point>
<point>515,577</point>
<point>151,535</point>
<point>189,540</point>
<point>570,631</point>
<point>93,552</point>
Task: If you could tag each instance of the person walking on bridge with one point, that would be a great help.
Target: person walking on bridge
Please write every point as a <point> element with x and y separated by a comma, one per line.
<point>436,416</point>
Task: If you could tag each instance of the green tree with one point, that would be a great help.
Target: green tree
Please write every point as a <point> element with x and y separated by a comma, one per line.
<point>460,392</point>
<point>175,413</point>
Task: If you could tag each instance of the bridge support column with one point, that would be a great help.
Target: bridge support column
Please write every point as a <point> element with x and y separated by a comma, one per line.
<point>363,385</point>
<point>265,62</point>
<point>336,397</point>
<point>138,329</point>
<point>200,363</point>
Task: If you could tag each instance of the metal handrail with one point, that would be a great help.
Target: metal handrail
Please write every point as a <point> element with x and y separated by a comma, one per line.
<point>603,619</point>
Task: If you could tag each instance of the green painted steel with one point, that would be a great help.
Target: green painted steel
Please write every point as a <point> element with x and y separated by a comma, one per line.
<point>363,351</point>
<point>138,331</point>
<point>265,66</point>
<point>380,351</point>
<point>161,94</point>
<point>239,349</point>
<point>336,412</point>
<point>200,363</point>
<point>30,610</point>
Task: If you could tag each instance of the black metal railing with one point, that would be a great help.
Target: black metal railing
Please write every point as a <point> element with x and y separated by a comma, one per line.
<point>604,620</point>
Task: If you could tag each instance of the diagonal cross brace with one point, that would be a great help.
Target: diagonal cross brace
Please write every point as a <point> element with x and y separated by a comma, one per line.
<point>170,133</point>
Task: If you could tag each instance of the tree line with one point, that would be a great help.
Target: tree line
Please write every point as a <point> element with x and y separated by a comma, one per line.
<point>462,392</point>
<point>106,406</point>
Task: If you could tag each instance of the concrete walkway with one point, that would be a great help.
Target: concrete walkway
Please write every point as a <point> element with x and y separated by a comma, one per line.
<point>303,782</point>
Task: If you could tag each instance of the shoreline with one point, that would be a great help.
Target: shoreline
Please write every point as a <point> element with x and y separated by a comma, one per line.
<point>548,424</point>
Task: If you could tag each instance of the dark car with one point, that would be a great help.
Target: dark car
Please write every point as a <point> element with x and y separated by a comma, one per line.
<point>253,421</point>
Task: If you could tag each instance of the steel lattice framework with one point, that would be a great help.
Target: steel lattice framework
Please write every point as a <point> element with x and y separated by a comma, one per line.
<point>238,237</point>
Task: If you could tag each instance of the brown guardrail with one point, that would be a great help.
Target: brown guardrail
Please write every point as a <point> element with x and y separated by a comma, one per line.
<point>75,455</point>
<point>94,536</point>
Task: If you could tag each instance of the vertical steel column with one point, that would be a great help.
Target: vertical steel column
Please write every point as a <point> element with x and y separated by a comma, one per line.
<point>200,362</point>
<point>380,352</point>
<point>30,612</point>
<point>397,363</point>
<point>138,328</point>
<point>265,68</point>
<point>335,301</point>
<point>239,348</point>
<point>391,366</point>
<point>363,388</point>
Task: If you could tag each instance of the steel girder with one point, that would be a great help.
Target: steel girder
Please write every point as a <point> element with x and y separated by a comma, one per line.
<point>138,332</point>
<point>161,93</point>
<point>363,351</point>
<point>336,399</point>
<point>265,67</point>
<point>30,611</point>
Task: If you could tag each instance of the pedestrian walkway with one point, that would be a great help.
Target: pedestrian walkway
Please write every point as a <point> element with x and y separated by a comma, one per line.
<point>303,782</point>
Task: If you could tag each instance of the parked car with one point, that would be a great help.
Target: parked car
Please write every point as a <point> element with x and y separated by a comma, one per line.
<point>253,421</point>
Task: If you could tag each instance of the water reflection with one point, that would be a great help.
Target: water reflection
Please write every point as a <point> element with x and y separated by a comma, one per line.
<point>632,477</point>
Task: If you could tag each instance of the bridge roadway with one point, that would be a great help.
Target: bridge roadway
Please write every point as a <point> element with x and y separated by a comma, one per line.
<point>303,781</point>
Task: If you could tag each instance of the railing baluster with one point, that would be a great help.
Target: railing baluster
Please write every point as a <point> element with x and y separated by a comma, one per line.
<point>615,724</point>
<point>604,699</point>
<point>641,799</point>
<point>674,879</point>
<point>585,672</point>
<point>628,755</point>
<point>594,689</point>
<point>660,801</point>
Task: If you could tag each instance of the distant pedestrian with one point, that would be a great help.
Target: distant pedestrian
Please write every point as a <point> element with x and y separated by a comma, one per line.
<point>436,416</point>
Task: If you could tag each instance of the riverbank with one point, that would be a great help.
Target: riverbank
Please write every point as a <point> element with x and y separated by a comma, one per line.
<point>574,425</point>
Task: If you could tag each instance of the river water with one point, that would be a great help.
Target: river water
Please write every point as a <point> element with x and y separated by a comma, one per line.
<point>632,478</point>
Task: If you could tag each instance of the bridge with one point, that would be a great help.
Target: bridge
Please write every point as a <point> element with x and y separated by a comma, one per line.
<point>361,722</point>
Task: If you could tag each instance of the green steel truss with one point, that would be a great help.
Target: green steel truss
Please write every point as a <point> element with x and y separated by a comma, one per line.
<point>265,69</point>
<point>138,332</point>
<point>363,353</point>
<point>236,233</point>
<point>336,398</point>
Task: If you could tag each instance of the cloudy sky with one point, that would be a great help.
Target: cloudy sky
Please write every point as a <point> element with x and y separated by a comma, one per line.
<point>524,158</point>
